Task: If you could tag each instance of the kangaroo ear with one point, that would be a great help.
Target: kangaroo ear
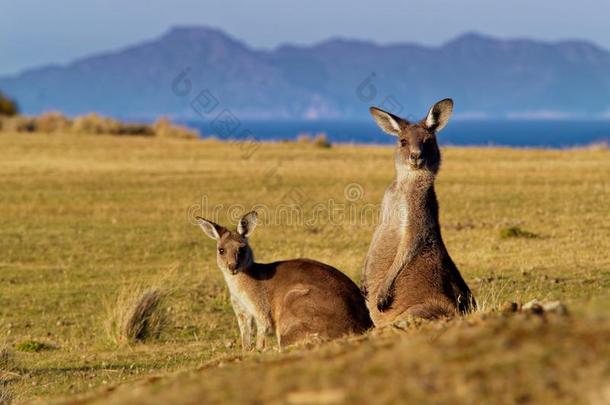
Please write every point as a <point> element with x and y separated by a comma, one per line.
<point>210,228</point>
<point>439,114</point>
<point>387,121</point>
<point>247,223</point>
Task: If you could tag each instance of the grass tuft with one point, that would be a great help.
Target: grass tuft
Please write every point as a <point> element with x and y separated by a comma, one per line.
<point>516,232</point>
<point>139,314</point>
<point>6,397</point>
<point>6,359</point>
<point>8,368</point>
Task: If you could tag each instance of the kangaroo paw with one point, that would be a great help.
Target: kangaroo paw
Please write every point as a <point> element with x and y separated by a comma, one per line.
<point>384,301</point>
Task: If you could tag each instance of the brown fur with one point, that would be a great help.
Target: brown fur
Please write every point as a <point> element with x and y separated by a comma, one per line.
<point>408,268</point>
<point>293,300</point>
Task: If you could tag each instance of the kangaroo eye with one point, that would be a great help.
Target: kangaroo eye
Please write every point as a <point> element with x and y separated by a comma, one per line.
<point>221,251</point>
<point>403,142</point>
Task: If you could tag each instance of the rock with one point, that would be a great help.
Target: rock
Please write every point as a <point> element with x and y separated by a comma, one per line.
<point>555,307</point>
<point>533,307</point>
<point>537,307</point>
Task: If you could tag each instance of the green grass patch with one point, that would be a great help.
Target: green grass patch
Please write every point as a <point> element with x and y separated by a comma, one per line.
<point>516,232</point>
<point>33,346</point>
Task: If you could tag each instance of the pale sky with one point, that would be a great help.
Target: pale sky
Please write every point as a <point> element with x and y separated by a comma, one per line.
<point>33,33</point>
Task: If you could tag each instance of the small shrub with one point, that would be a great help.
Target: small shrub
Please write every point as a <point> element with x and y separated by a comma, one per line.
<point>135,129</point>
<point>95,124</point>
<point>18,123</point>
<point>321,141</point>
<point>516,232</point>
<point>52,122</point>
<point>32,346</point>
<point>599,145</point>
<point>164,128</point>
<point>304,138</point>
<point>8,107</point>
<point>138,315</point>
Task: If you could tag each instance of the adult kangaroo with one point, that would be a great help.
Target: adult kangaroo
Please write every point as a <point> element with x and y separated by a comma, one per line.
<point>291,299</point>
<point>407,268</point>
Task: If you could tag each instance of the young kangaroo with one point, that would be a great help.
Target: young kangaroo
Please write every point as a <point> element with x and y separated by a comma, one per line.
<point>291,299</point>
<point>407,268</point>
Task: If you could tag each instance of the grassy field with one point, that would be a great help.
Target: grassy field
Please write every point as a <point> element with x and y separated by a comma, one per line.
<point>83,217</point>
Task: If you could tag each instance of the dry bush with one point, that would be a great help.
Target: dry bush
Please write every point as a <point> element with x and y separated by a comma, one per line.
<point>163,127</point>
<point>8,107</point>
<point>95,124</point>
<point>599,145</point>
<point>138,315</point>
<point>52,122</point>
<point>18,123</point>
<point>304,137</point>
<point>135,129</point>
<point>319,140</point>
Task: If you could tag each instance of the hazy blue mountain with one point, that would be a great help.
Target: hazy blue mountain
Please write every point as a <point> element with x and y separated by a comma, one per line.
<point>338,78</point>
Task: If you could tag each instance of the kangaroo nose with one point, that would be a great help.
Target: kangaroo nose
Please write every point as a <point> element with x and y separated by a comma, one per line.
<point>415,155</point>
<point>232,266</point>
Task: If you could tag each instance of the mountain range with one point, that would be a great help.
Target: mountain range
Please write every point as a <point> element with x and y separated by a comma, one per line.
<point>194,72</point>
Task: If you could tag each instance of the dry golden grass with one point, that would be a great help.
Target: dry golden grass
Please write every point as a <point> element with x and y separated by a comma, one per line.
<point>8,373</point>
<point>495,359</point>
<point>83,217</point>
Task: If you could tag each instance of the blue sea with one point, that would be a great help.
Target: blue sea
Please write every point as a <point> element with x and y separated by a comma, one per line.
<point>519,133</point>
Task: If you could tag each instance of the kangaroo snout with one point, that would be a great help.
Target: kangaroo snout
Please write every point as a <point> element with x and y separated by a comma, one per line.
<point>416,159</point>
<point>232,266</point>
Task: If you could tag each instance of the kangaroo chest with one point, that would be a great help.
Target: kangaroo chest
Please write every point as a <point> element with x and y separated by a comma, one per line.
<point>238,288</point>
<point>394,220</point>
<point>393,225</point>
